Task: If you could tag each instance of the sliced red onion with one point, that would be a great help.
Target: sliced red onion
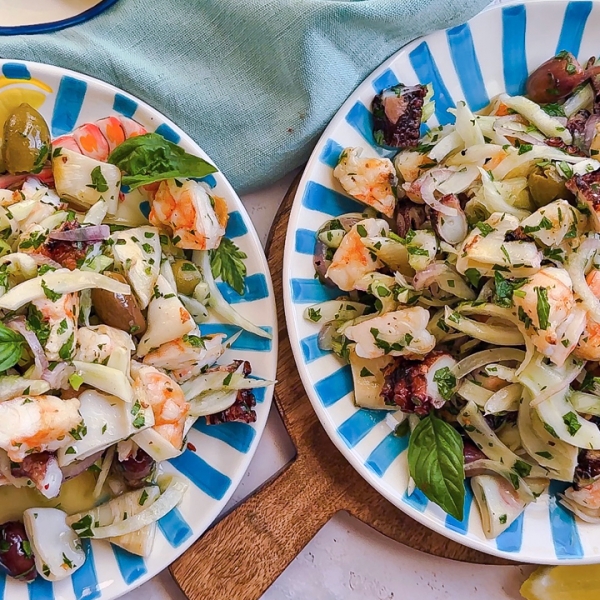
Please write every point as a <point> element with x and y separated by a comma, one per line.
<point>93,233</point>
<point>79,466</point>
<point>8,182</point>
<point>58,378</point>
<point>423,279</point>
<point>590,130</point>
<point>502,126</point>
<point>19,325</point>
<point>428,186</point>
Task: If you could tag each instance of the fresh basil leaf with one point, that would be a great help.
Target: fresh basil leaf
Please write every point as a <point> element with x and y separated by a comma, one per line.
<point>11,346</point>
<point>436,463</point>
<point>148,158</point>
<point>227,261</point>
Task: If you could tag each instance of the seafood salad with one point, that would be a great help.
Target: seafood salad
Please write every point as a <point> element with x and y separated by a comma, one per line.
<point>103,367</point>
<point>469,290</point>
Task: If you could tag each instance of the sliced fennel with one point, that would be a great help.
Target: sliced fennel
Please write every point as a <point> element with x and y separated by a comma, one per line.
<point>112,520</point>
<point>488,442</point>
<point>107,379</point>
<point>549,386</point>
<point>218,304</point>
<point>496,509</point>
<point>61,281</point>
<point>12,386</point>
<point>553,454</point>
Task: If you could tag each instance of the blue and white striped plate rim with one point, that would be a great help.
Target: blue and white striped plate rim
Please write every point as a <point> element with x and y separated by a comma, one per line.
<point>492,53</point>
<point>218,455</point>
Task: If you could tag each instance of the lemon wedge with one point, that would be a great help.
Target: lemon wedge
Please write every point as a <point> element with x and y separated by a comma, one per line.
<point>563,583</point>
<point>13,97</point>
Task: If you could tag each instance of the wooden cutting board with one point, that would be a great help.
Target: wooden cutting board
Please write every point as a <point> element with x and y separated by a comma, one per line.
<point>243,554</point>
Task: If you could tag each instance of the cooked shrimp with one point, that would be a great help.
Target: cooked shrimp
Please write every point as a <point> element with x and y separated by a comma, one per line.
<point>112,130</point>
<point>97,344</point>
<point>370,180</point>
<point>36,424</point>
<point>59,321</point>
<point>353,260</point>
<point>92,142</point>
<point>196,219</point>
<point>185,358</point>
<point>588,347</point>
<point>155,389</point>
<point>400,333</point>
<point>409,164</point>
<point>588,496</point>
<point>546,305</point>
<point>97,140</point>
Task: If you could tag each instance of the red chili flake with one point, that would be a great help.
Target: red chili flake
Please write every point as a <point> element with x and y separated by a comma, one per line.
<point>191,447</point>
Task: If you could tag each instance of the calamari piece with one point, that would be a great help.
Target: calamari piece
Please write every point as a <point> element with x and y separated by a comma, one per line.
<point>546,306</point>
<point>587,190</point>
<point>397,113</point>
<point>413,385</point>
<point>400,333</point>
<point>57,321</point>
<point>137,253</point>
<point>197,221</point>
<point>187,357</point>
<point>42,468</point>
<point>353,260</point>
<point>85,180</point>
<point>370,180</point>
<point>167,318</point>
<point>31,424</point>
<point>165,397</point>
<point>97,344</point>
<point>587,497</point>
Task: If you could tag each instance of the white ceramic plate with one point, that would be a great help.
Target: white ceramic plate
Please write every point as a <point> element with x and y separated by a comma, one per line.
<point>42,16</point>
<point>491,54</point>
<point>217,456</point>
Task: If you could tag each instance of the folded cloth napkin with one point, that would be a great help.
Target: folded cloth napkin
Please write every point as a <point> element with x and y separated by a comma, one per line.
<point>254,82</point>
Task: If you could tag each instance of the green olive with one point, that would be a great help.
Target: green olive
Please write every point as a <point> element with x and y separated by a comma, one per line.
<point>25,141</point>
<point>546,185</point>
<point>187,276</point>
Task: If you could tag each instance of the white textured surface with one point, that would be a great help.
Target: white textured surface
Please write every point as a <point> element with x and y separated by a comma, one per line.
<point>347,560</point>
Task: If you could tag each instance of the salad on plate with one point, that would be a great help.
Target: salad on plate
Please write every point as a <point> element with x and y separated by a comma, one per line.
<point>103,368</point>
<point>469,303</point>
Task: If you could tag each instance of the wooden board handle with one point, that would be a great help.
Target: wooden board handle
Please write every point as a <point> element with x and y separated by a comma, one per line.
<point>243,554</point>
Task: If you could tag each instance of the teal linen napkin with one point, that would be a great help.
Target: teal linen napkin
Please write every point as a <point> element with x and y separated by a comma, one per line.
<point>253,82</point>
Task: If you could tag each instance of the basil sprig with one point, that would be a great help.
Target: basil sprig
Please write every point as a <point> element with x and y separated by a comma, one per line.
<point>11,346</point>
<point>436,463</point>
<point>148,158</point>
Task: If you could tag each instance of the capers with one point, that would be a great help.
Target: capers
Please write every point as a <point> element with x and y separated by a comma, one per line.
<point>546,185</point>
<point>25,141</point>
<point>187,276</point>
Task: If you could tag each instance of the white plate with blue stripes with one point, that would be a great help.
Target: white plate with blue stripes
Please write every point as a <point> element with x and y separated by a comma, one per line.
<point>491,54</point>
<point>42,16</point>
<point>217,456</point>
